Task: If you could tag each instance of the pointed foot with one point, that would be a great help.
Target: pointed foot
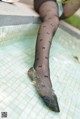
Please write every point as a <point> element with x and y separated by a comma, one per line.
<point>50,99</point>
<point>52,103</point>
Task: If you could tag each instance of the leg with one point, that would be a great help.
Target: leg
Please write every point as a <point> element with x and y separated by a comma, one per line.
<point>49,14</point>
<point>70,7</point>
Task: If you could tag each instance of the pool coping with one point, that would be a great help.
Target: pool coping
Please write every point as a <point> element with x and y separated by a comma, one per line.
<point>8,20</point>
<point>70,29</point>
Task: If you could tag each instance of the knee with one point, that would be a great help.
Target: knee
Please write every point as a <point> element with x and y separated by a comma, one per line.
<point>52,21</point>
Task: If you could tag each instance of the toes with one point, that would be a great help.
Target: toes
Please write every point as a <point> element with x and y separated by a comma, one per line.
<point>52,103</point>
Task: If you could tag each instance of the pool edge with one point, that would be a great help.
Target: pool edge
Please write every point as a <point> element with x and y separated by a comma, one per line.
<point>9,20</point>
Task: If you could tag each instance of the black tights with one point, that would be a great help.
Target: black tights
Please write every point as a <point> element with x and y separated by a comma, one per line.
<point>49,15</point>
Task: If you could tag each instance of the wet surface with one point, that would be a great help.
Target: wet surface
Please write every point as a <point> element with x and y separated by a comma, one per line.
<point>18,96</point>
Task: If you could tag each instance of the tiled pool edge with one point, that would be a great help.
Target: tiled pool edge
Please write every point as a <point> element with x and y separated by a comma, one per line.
<point>70,29</point>
<point>8,20</point>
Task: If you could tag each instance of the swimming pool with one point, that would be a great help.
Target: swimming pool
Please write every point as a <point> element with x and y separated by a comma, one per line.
<point>18,96</point>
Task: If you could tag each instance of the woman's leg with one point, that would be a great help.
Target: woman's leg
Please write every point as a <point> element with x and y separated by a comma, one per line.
<point>49,15</point>
<point>70,7</point>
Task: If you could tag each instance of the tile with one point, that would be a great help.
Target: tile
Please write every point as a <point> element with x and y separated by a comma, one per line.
<point>18,95</point>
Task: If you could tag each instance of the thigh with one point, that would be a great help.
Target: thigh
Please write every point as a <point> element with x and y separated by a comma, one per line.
<point>70,7</point>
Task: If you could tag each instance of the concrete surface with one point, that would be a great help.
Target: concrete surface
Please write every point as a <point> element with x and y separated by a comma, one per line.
<point>19,9</point>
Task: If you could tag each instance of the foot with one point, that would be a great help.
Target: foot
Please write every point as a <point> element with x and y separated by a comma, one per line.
<point>45,90</point>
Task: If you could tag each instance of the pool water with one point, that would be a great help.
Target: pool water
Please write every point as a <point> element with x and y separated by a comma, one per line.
<point>18,96</point>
